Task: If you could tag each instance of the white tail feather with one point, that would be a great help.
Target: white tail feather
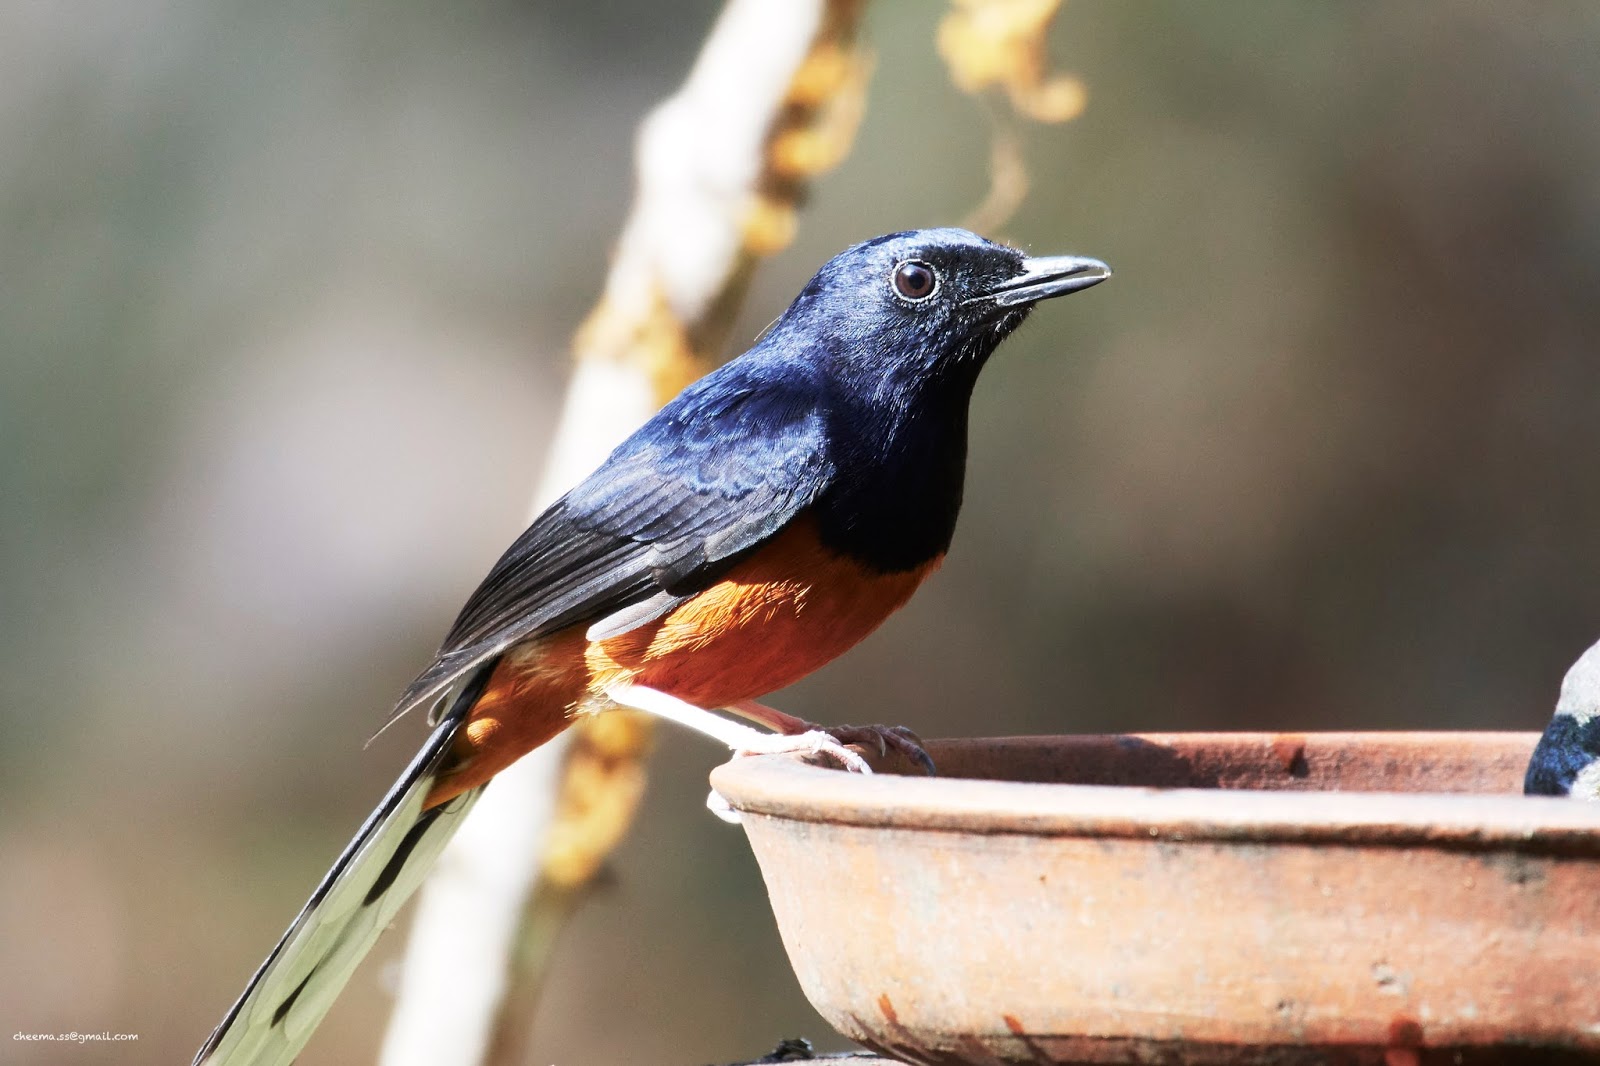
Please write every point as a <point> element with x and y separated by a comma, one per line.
<point>357,899</point>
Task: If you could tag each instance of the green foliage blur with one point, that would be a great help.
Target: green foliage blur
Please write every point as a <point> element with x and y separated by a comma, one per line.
<point>285,296</point>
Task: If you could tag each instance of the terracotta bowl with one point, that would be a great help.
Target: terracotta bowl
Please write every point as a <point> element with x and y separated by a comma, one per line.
<point>1192,898</point>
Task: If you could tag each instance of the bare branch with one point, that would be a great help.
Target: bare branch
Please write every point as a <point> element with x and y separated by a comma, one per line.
<point>772,100</point>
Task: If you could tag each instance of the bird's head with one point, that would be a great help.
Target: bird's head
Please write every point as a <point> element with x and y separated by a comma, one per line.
<point>924,305</point>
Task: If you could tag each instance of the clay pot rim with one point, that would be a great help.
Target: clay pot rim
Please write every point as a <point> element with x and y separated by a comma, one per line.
<point>792,787</point>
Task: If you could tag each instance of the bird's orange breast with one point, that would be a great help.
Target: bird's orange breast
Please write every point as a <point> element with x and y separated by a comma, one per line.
<point>776,616</point>
<point>790,607</point>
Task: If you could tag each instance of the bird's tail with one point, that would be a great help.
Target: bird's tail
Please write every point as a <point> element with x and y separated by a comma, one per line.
<point>377,872</point>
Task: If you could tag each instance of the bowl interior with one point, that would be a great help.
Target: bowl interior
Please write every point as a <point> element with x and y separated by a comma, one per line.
<point>1328,762</point>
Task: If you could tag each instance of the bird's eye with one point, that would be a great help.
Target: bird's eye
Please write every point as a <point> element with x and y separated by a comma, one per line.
<point>914,280</point>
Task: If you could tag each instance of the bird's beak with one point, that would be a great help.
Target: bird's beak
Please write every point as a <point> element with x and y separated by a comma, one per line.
<point>1048,276</point>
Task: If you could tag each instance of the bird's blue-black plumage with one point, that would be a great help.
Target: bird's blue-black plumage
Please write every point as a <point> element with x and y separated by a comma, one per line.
<point>1566,760</point>
<point>1567,748</point>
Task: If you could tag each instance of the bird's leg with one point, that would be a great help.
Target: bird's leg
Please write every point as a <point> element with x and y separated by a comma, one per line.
<point>740,739</point>
<point>885,738</point>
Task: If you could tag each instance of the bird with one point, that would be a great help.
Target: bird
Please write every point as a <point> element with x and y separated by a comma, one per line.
<point>1566,761</point>
<point>763,522</point>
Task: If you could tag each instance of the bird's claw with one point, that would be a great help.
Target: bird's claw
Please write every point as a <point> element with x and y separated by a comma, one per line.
<point>830,741</point>
<point>812,742</point>
<point>885,738</point>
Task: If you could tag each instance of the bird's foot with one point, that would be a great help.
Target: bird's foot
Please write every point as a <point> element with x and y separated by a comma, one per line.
<point>793,734</point>
<point>812,742</point>
<point>740,739</point>
<point>885,738</point>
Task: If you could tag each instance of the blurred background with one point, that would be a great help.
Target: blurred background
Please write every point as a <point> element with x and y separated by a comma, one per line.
<point>285,299</point>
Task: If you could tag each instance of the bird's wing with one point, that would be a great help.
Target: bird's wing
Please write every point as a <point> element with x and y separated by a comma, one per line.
<point>715,474</point>
<point>355,902</point>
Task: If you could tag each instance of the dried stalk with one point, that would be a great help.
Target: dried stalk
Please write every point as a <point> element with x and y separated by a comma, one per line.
<point>1004,45</point>
<point>772,100</point>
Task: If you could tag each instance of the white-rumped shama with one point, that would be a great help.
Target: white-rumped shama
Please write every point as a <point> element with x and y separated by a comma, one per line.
<point>761,524</point>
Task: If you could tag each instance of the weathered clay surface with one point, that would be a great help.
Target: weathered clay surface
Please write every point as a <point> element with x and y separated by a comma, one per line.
<point>1241,898</point>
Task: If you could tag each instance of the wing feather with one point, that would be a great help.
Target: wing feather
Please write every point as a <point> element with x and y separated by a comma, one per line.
<point>717,472</point>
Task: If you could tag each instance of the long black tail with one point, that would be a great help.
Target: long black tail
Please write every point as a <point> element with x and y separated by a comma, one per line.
<point>377,872</point>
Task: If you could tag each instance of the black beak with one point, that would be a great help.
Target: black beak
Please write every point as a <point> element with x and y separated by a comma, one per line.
<point>1048,276</point>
